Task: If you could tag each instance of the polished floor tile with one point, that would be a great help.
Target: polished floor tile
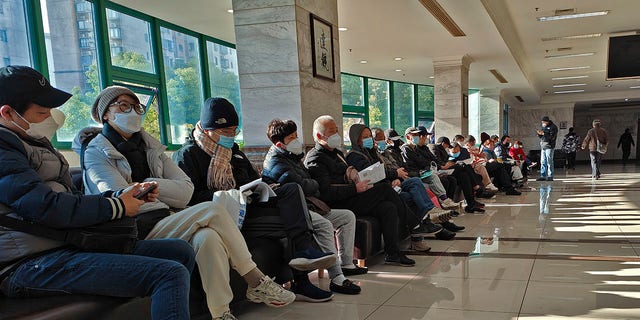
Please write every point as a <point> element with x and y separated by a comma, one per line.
<point>415,313</point>
<point>584,271</point>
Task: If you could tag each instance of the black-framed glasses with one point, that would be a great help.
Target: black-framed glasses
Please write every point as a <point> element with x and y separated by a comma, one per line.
<point>126,107</point>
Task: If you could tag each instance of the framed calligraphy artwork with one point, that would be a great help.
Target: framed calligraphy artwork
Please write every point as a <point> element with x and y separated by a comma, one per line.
<point>322,48</point>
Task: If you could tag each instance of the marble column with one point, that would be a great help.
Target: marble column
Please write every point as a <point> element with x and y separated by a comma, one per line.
<point>489,113</point>
<point>273,42</point>
<point>451,87</point>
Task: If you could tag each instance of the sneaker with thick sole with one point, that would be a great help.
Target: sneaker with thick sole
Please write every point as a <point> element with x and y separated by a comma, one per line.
<point>449,204</point>
<point>438,215</point>
<point>226,316</point>
<point>445,235</point>
<point>491,187</point>
<point>420,245</point>
<point>270,293</point>
<point>347,287</point>
<point>312,259</point>
<point>399,259</point>
<point>309,293</point>
<point>452,226</point>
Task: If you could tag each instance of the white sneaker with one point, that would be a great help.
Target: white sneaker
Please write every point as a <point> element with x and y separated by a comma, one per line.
<point>226,316</point>
<point>449,204</point>
<point>270,293</point>
<point>491,187</point>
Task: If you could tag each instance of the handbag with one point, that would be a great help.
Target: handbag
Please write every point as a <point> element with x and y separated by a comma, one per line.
<point>115,236</point>
<point>317,205</point>
<point>600,147</point>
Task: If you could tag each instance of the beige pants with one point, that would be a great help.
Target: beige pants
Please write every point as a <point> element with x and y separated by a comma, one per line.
<point>482,171</point>
<point>217,242</point>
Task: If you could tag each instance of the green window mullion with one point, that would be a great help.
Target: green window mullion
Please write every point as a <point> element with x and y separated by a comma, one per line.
<point>102,43</point>
<point>135,76</point>
<point>392,119</point>
<point>163,103</point>
<point>204,66</point>
<point>365,93</point>
<point>415,104</point>
<point>36,34</point>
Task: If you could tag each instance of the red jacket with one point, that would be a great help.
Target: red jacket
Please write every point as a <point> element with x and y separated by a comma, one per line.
<point>517,154</point>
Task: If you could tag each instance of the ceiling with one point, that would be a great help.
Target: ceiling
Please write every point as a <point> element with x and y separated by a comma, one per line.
<point>500,34</point>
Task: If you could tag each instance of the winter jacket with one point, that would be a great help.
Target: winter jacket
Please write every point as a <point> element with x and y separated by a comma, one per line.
<point>36,186</point>
<point>281,166</point>
<point>571,142</point>
<point>517,153</point>
<point>626,141</point>
<point>105,168</point>
<point>328,168</point>
<point>360,158</point>
<point>590,138</point>
<point>549,136</point>
<point>440,152</point>
<point>195,163</point>
<point>417,159</point>
<point>501,151</point>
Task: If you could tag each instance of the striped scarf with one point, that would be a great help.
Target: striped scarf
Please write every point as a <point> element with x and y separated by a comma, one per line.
<point>220,172</point>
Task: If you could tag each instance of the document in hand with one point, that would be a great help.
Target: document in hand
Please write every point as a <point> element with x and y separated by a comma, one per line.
<point>259,187</point>
<point>446,171</point>
<point>374,173</point>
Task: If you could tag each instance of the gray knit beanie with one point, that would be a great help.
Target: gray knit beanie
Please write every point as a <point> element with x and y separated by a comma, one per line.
<point>105,97</point>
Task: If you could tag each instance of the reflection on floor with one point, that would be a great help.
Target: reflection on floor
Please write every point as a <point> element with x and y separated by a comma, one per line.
<point>563,249</point>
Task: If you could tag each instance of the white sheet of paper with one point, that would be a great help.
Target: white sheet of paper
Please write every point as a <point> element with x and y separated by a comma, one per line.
<point>374,173</point>
<point>259,187</point>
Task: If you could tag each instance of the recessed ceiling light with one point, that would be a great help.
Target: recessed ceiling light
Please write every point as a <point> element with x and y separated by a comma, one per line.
<point>363,61</point>
<point>570,77</point>
<point>431,77</point>
<point>574,16</point>
<point>569,85</point>
<point>634,87</point>
<point>579,36</point>
<point>398,70</point>
<point>397,58</point>
<point>343,29</point>
<point>569,91</point>
<point>230,10</point>
<point>569,68</point>
<point>570,55</point>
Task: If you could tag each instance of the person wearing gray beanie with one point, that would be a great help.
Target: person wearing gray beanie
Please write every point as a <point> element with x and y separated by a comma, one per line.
<point>106,98</point>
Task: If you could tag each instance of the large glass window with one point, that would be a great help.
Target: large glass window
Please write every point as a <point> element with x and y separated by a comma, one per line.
<point>71,56</point>
<point>378,103</point>
<point>425,100</point>
<point>352,90</point>
<point>14,39</point>
<point>184,83</point>
<point>223,74</point>
<point>402,106</point>
<point>129,42</point>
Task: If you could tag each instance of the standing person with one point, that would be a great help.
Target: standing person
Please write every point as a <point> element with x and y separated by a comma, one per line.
<point>626,141</point>
<point>570,144</point>
<point>596,139</point>
<point>548,133</point>
<point>36,186</point>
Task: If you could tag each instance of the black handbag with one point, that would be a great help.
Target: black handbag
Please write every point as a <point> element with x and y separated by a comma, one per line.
<point>115,236</point>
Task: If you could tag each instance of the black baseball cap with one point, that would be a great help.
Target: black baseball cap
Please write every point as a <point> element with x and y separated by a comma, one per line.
<point>423,131</point>
<point>21,83</point>
<point>392,134</point>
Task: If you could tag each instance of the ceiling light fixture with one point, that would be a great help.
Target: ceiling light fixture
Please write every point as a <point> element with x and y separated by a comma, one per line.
<point>569,68</point>
<point>397,58</point>
<point>569,91</point>
<point>363,61</point>
<point>634,87</point>
<point>343,29</point>
<point>574,16</point>
<point>569,85</point>
<point>431,77</point>
<point>443,17</point>
<point>230,10</point>
<point>579,36</point>
<point>570,77</point>
<point>570,55</point>
<point>398,70</point>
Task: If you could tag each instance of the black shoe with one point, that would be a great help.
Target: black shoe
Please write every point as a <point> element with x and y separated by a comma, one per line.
<point>310,293</point>
<point>347,287</point>
<point>513,192</point>
<point>399,259</point>
<point>431,227</point>
<point>478,205</point>
<point>485,194</point>
<point>355,271</point>
<point>452,226</point>
<point>470,209</point>
<point>550,179</point>
<point>421,231</point>
<point>445,235</point>
<point>541,179</point>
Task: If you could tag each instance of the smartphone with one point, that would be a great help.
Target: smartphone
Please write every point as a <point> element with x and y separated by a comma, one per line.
<point>146,190</point>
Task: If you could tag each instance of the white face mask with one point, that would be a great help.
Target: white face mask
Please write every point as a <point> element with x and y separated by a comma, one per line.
<point>334,141</point>
<point>44,129</point>
<point>129,122</point>
<point>294,146</point>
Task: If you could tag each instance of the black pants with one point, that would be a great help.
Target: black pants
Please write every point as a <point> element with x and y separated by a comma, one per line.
<point>383,203</point>
<point>466,181</point>
<point>626,152</point>
<point>450,184</point>
<point>500,174</point>
<point>571,160</point>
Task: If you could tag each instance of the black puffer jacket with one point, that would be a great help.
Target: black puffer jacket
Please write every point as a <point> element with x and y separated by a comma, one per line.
<point>281,166</point>
<point>417,158</point>
<point>195,163</point>
<point>326,167</point>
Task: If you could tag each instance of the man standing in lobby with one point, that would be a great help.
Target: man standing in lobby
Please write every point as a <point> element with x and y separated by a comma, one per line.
<point>596,140</point>
<point>626,141</point>
<point>548,133</point>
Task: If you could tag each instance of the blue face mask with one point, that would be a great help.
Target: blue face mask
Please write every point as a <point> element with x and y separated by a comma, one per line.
<point>455,155</point>
<point>226,142</point>
<point>415,140</point>
<point>367,143</point>
<point>382,145</point>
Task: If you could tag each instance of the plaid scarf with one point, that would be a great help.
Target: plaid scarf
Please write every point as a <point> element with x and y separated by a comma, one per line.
<point>220,172</point>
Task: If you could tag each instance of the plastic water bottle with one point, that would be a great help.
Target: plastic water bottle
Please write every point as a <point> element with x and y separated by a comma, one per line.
<point>496,234</point>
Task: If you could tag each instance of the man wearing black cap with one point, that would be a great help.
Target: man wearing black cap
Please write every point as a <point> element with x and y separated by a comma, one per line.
<point>547,133</point>
<point>37,187</point>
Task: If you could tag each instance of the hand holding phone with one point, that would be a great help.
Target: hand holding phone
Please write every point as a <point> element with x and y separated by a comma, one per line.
<point>144,191</point>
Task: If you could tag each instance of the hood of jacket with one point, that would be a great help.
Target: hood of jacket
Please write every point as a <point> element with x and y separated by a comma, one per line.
<point>354,135</point>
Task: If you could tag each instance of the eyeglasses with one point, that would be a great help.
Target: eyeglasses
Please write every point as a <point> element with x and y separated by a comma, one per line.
<point>127,107</point>
<point>229,132</point>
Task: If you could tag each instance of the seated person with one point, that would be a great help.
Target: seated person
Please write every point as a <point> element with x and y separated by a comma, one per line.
<point>502,155</point>
<point>501,174</point>
<point>328,167</point>
<point>283,164</point>
<point>123,154</point>
<point>478,166</point>
<point>37,187</point>
<point>420,160</point>
<point>213,161</point>
<point>517,153</point>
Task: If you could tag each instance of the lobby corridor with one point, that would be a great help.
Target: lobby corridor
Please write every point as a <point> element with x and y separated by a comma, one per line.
<point>563,249</point>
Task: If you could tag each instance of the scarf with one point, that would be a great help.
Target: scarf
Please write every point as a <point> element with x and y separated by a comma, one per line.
<point>133,150</point>
<point>220,172</point>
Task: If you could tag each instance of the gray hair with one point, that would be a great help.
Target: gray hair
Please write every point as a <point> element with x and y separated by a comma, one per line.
<point>319,125</point>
